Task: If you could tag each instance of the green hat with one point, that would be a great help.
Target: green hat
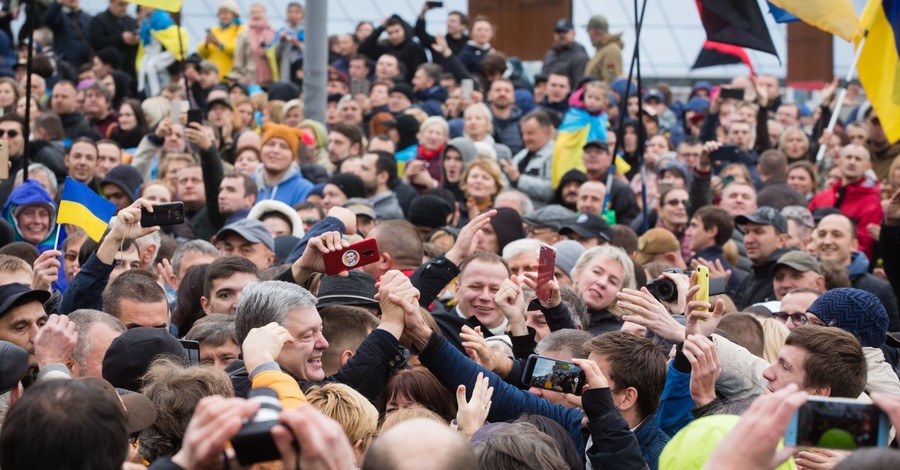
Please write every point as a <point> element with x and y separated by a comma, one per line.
<point>598,22</point>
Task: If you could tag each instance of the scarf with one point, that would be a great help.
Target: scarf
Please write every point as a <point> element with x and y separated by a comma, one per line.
<point>433,159</point>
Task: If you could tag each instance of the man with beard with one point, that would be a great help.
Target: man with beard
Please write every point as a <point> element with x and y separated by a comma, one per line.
<point>506,115</point>
<point>765,234</point>
<point>567,191</point>
<point>622,200</point>
<point>379,172</point>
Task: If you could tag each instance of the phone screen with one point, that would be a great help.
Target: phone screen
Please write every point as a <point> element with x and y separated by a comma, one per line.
<point>837,424</point>
<point>556,375</point>
<point>546,269</point>
<point>468,86</point>
<point>191,351</point>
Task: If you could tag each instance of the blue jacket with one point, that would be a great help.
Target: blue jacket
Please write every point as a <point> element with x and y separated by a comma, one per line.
<point>430,100</point>
<point>675,405</point>
<point>651,440</point>
<point>30,192</point>
<point>471,57</point>
<point>328,224</point>
<point>291,190</point>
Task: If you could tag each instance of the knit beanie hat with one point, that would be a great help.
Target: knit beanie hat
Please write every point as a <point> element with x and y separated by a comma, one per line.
<point>349,184</point>
<point>126,177</point>
<point>508,225</point>
<point>856,311</point>
<point>291,135</point>
<point>429,211</point>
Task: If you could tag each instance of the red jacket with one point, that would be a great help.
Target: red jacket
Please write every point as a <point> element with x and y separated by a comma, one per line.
<point>862,203</point>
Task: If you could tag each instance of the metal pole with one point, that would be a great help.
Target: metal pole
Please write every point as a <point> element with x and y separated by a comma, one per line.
<point>315,60</point>
<point>29,25</point>
<point>841,95</point>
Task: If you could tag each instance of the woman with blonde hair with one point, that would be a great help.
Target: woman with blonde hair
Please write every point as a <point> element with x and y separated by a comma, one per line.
<point>774,335</point>
<point>478,123</point>
<point>356,415</point>
<point>599,275</point>
<point>481,182</point>
<point>794,143</point>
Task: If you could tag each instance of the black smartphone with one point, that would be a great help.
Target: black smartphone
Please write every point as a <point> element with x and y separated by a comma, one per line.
<point>553,374</point>
<point>837,423</point>
<point>735,93</point>
<point>725,154</point>
<point>163,214</point>
<point>434,4</point>
<point>195,115</point>
<point>191,351</point>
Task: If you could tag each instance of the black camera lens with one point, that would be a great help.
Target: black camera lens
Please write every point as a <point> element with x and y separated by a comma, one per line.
<point>254,443</point>
<point>663,290</point>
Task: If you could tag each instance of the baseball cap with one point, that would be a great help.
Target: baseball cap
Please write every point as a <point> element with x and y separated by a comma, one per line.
<point>596,144</point>
<point>358,289</point>
<point>588,226</point>
<point>208,66</point>
<point>139,411</point>
<point>360,206</point>
<point>763,216</point>
<point>129,356</point>
<point>598,22</point>
<point>653,93</point>
<point>656,241</point>
<point>799,261</point>
<point>220,102</point>
<point>251,230</point>
<point>554,216</point>
<point>15,294</point>
<point>563,25</point>
<point>13,365</point>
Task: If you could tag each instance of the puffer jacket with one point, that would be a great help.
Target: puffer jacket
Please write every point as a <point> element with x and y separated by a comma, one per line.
<point>861,201</point>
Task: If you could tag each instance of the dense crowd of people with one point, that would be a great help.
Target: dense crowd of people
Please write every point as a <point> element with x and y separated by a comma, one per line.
<point>462,168</point>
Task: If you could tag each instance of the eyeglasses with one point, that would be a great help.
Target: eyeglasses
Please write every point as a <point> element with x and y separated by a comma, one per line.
<point>675,202</point>
<point>798,318</point>
<point>12,133</point>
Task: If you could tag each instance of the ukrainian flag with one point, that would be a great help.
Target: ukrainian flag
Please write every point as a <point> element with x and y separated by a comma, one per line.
<point>879,62</point>
<point>577,128</point>
<point>81,206</point>
<point>837,17</point>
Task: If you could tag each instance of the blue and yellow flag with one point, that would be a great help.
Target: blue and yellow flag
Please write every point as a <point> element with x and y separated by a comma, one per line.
<point>577,128</point>
<point>81,206</point>
<point>168,5</point>
<point>879,62</point>
<point>837,17</point>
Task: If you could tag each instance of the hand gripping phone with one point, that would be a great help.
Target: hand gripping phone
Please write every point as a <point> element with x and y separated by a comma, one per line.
<point>546,269</point>
<point>354,256</point>
<point>553,374</point>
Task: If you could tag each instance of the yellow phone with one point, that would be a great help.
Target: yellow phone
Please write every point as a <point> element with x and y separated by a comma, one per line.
<point>702,280</point>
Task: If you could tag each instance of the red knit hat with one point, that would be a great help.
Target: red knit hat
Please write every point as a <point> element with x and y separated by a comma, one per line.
<point>291,135</point>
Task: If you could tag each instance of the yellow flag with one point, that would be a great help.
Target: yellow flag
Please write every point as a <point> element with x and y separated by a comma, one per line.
<point>879,64</point>
<point>167,5</point>
<point>837,17</point>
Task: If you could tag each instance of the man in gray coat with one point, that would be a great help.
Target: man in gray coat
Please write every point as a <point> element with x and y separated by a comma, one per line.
<point>529,170</point>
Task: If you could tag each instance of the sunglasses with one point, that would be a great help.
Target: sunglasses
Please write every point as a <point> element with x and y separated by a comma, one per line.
<point>798,317</point>
<point>675,202</point>
<point>12,133</point>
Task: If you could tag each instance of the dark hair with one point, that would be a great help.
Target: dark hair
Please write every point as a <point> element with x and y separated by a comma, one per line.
<point>349,131</point>
<point>138,113</point>
<point>539,116</point>
<point>484,257</point>
<point>394,21</point>
<point>344,327</point>
<point>386,162</point>
<point>83,140</point>
<point>64,424</point>
<point>625,238</point>
<point>311,205</point>
<point>463,18</point>
<point>745,330</point>
<point>519,446</point>
<point>22,250</point>
<point>835,274</point>
<point>135,285</point>
<point>633,362</point>
<point>870,459</point>
<point>420,386</point>
<point>711,216</point>
<point>51,123</point>
<point>188,308</point>
<point>493,64</point>
<point>834,359</point>
<point>225,267</point>
<point>250,187</point>
<point>13,117</point>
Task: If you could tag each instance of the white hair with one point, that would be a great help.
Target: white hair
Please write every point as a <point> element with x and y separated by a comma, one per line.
<point>521,246</point>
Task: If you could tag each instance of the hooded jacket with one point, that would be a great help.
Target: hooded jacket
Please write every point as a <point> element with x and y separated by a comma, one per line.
<point>408,52</point>
<point>31,193</point>
<point>861,201</point>
<point>607,61</point>
<point>466,149</point>
<point>262,208</point>
<point>291,189</point>
<point>568,58</point>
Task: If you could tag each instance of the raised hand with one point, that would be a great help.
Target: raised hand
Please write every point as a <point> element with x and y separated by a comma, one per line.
<point>311,260</point>
<point>529,278</point>
<point>470,415</point>
<point>46,270</point>
<point>264,344</point>
<point>468,237</point>
<point>512,304</point>
<point>642,308</point>
<point>701,352</point>
<point>216,420</point>
<point>393,315</point>
<point>699,319</point>
<point>55,342</point>
<point>595,380</point>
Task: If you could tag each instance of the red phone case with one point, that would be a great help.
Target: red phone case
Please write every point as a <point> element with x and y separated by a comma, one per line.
<point>546,268</point>
<point>356,255</point>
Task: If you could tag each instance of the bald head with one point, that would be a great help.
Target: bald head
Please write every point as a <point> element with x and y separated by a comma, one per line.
<point>437,447</point>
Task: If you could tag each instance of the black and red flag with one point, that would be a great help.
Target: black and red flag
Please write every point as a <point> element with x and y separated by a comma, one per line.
<point>736,22</point>
<point>716,53</point>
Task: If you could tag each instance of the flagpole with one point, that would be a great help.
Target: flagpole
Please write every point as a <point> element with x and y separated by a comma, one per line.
<point>59,228</point>
<point>841,95</point>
